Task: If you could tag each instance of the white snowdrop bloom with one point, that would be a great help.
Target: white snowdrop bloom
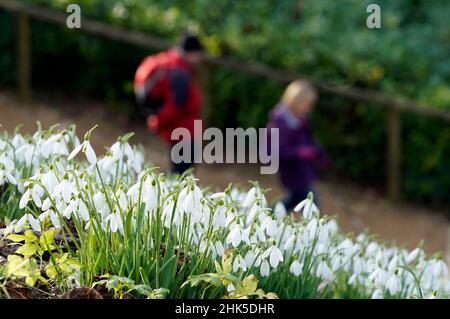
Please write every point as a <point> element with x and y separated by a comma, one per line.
<point>259,232</point>
<point>289,244</point>
<point>231,288</point>
<point>394,284</point>
<point>54,219</point>
<point>107,164</point>
<point>238,235</point>
<point>150,194</point>
<point>321,249</point>
<point>220,250</point>
<point>122,199</point>
<point>79,207</point>
<point>253,211</point>
<point>6,176</point>
<point>25,198</point>
<point>219,217</point>
<point>87,149</point>
<point>279,210</point>
<point>271,227</point>
<point>372,248</point>
<point>46,204</point>
<point>353,280</point>
<point>393,263</point>
<point>336,262</point>
<point>34,223</point>
<point>115,222</point>
<point>382,277</point>
<point>311,229</point>
<point>65,189</point>
<point>440,269</point>
<point>17,141</point>
<point>250,258</point>
<point>275,255</point>
<point>323,271</point>
<point>264,268</point>
<point>296,268</point>
<point>358,265</point>
<point>25,153</point>
<point>252,195</point>
<point>171,214</point>
<point>239,263</point>
<point>332,227</point>
<point>346,247</point>
<point>377,294</point>
<point>99,201</point>
<point>307,207</point>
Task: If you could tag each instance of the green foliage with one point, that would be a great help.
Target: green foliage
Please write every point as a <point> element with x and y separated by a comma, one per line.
<point>326,40</point>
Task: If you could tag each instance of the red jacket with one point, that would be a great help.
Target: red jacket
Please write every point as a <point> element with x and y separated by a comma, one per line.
<point>178,89</point>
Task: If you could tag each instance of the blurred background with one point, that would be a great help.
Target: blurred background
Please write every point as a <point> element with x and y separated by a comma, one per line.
<point>383,111</point>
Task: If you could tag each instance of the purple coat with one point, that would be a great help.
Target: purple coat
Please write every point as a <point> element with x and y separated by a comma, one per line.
<point>298,151</point>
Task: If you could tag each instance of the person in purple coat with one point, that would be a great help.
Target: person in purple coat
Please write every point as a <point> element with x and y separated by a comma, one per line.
<point>299,153</point>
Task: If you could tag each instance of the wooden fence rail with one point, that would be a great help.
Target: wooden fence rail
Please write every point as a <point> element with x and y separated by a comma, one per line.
<point>393,106</point>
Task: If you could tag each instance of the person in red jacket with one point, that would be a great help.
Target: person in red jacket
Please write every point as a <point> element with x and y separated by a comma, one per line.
<point>169,94</point>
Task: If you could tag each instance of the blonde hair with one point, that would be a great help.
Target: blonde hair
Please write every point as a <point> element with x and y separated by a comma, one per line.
<point>297,92</point>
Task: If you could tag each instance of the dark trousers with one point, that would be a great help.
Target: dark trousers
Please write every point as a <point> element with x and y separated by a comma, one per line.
<point>180,168</point>
<point>294,197</point>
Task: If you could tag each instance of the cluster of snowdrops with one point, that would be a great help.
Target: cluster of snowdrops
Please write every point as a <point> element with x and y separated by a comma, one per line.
<point>73,219</point>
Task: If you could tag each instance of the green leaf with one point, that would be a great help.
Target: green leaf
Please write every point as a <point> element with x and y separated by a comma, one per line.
<point>47,239</point>
<point>27,250</point>
<point>16,238</point>
<point>30,237</point>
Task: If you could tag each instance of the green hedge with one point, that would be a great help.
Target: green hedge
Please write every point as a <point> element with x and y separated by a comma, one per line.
<point>326,40</point>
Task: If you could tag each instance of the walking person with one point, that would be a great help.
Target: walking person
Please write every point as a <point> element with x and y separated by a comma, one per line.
<point>298,151</point>
<point>168,94</point>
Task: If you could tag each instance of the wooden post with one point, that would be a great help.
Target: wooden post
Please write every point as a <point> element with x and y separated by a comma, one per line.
<point>23,57</point>
<point>394,150</point>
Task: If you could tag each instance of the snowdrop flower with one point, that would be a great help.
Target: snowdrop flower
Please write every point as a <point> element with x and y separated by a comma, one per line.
<point>77,205</point>
<point>308,207</point>
<point>358,265</point>
<point>394,285</point>
<point>274,254</point>
<point>231,288</point>
<point>220,250</point>
<point>237,234</point>
<point>87,149</point>
<point>64,189</point>
<point>239,263</point>
<point>289,244</point>
<point>34,223</point>
<point>377,294</point>
<point>323,271</point>
<point>265,268</point>
<point>270,226</point>
<point>413,255</point>
<point>250,258</point>
<point>440,269</point>
<point>115,222</point>
<point>279,210</point>
<point>296,268</point>
<point>5,176</point>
